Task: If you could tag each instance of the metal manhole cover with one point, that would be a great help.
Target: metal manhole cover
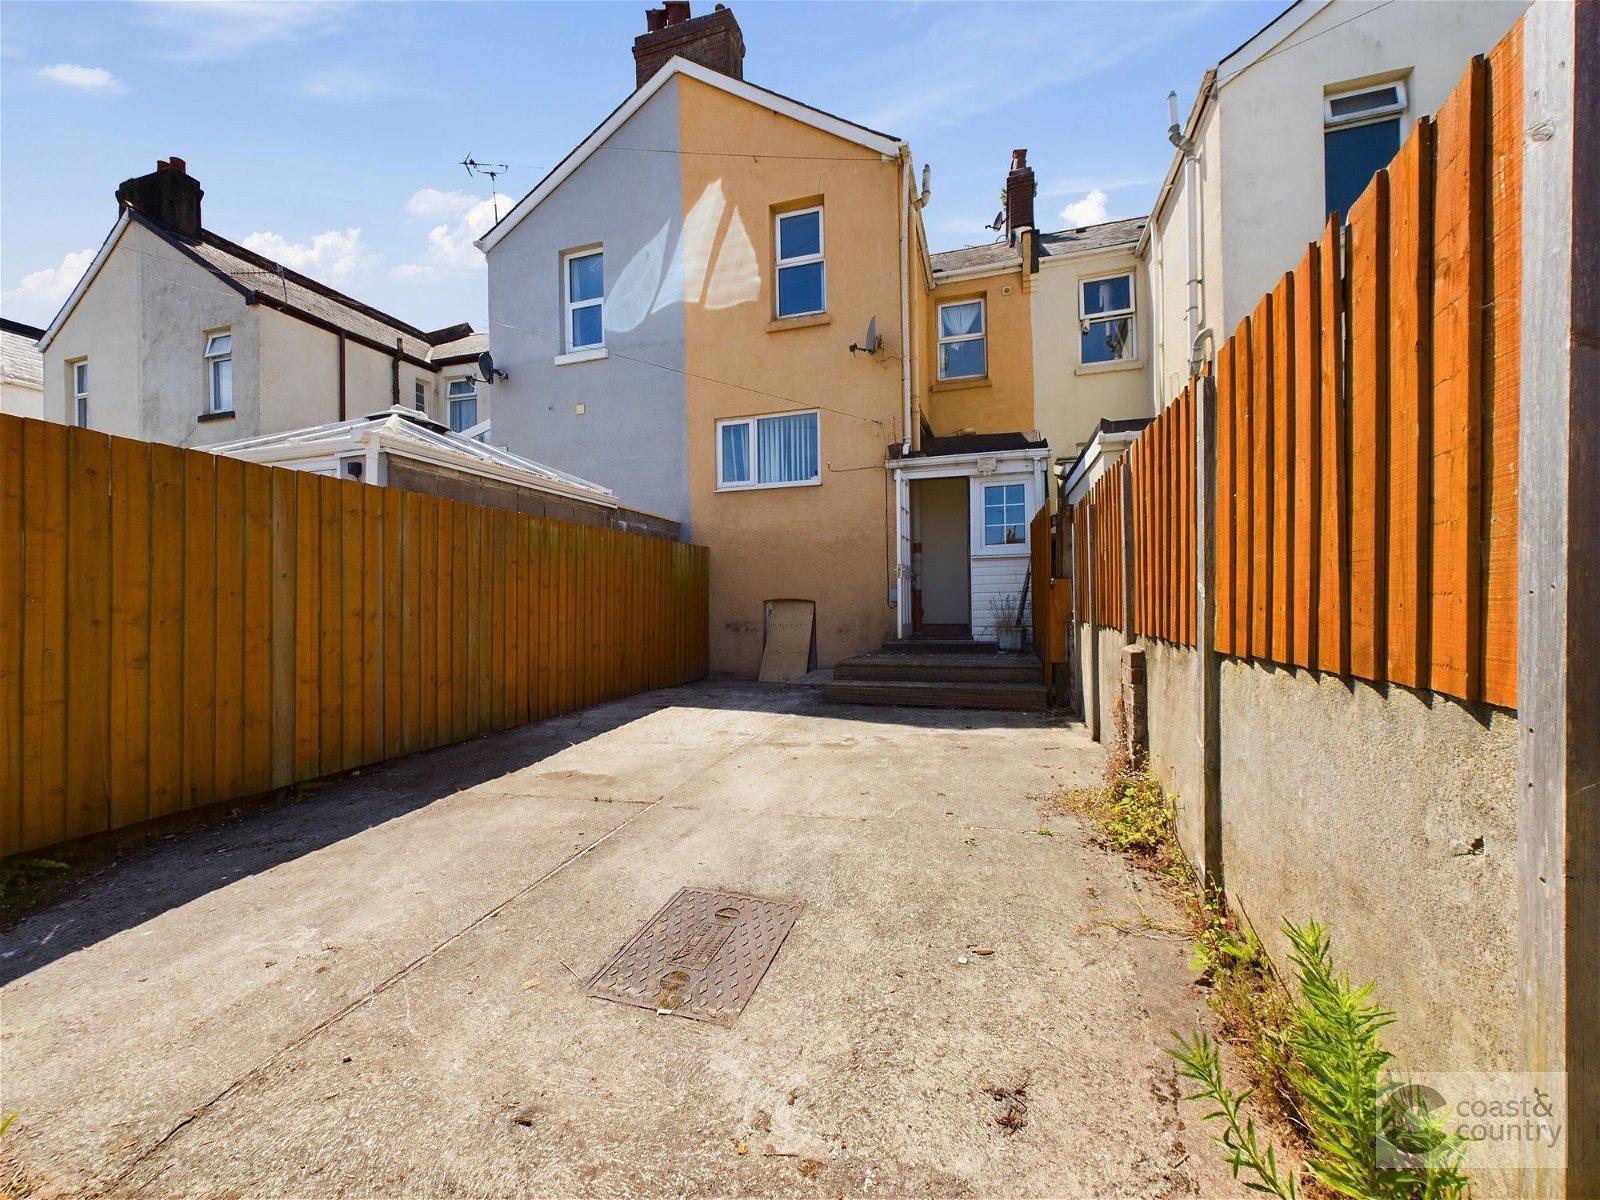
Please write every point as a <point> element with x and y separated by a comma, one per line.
<point>700,957</point>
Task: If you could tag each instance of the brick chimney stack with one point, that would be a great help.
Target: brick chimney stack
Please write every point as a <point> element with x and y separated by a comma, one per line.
<point>713,40</point>
<point>1020,190</point>
<point>169,196</point>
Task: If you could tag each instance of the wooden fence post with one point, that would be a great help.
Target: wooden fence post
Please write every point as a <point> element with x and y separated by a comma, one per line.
<point>1125,515</point>
<point>1208,661</point>
<point>1558,686</point>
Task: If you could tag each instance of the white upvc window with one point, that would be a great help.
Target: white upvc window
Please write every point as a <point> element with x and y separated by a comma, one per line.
<point>80,393</point>
<point>219,371</point>
<point>1105,320</point>
<point>782,450</point>
<point>583,282</point>
<point>1364,104</point>
<point>421,396</point>
<point>802,284</point>
<point>463,396</point>
<point>1005,515</point>
<point>1360,136</point>
<point>963,340</point>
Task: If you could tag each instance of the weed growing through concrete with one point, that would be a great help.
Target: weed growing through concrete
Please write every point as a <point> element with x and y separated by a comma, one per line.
<point>1314,1063</point>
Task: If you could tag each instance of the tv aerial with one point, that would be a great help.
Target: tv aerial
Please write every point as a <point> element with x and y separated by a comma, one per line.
<point>493,171</point>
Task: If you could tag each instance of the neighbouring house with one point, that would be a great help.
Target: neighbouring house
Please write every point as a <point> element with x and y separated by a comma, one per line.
<point>1029,342</point>
<point>176,334</point>
<point>21,369</point>
<point>1287,129</point>
<point>408,450</point>
<point>675,305</point>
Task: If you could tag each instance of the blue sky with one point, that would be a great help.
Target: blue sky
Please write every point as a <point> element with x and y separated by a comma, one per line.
<point>328,134</point>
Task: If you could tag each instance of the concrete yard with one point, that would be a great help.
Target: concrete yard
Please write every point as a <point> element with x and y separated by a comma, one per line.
<point>377,990</point>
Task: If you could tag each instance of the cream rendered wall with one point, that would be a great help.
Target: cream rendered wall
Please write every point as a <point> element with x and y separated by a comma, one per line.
<point>19,401</point>
<point>1272,119</point>
<point>1069,398</point>
<point>1168,272</point>
<point>300,374</point>
<point>99,329</point>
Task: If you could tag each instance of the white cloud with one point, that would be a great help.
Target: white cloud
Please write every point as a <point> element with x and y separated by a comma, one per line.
<point>450,245</point>
<point>207,30</point>
<point>1074,185</point>
<point>40,293</point>
<point>89,79</point>
<point>350,84</point>
<point>1091,210</point>
<point>329,255</point>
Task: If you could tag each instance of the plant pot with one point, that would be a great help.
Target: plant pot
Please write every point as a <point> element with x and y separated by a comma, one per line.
<point>1010,640</point>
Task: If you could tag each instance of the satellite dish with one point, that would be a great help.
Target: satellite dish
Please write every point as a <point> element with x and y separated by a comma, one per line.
<point>872,342</point>
<point>487,369</point>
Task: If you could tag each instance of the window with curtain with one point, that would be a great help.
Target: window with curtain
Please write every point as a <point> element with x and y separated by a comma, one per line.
<point>1105,320</point>
<point>775,451</point>
<point>963,341</point>
<point>801,288</point>
<point>585,283</point>
<point>1005,514</point>
<point>219,369</point>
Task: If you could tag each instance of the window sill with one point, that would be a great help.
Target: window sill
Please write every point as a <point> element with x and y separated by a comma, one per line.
<point>960,385</point>
<point>802,322</point>
<point>1108,367</point>
<point>766,487</point>
<point>225,415</point>
<point>587,354</point>
<point>1009,550</point>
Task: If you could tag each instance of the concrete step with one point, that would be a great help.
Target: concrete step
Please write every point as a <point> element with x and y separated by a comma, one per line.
<point>926,645</point>
<point>943,668</point>
<point>1014,697</point>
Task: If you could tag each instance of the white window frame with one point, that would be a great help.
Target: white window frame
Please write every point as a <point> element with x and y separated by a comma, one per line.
<point>754,443</point>
<point>983,336</point>
<point>212,358</point>
<point>80,392</point>
<point>420,395</point>
<point>981,547</point>
<point>570,306</point>
<point>1383,113</point>
<point>799,260</point>
<point>450,402</point>
<point>1086,319</point>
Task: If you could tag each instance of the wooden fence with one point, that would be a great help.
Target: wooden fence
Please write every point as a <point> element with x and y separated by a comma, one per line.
<point>179,628</point>
<point>1366,434</point>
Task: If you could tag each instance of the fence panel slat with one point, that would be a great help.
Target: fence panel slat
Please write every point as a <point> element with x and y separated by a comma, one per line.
<point>1410,334</point>
<point>1283,470</point>
<point>1263,433</point>
<point>334,646</point>
<point>12,601</point>
<point>1307,454</point>
<point>285,613</point>
<point>129,735</point>
<point>44,697</point>
<point>255,766</point>
<point>1224,501</point>
<point>199,629</point>
<point>228,681</point>
<point>1333,534</point>
<point>1369,327</point>
<point>167,510</point>
<point>1244,473</point>
<point>1502,369</point>
<point>88,632</point>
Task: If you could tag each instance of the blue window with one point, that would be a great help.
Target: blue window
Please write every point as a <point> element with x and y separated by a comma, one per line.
<point>1105,321</point>
<point>801,285</point>
<point>776,451</point>
<point>1352,156</point>
<point>586,290</point>
<point>963,341</point>
<point>1005,514</point>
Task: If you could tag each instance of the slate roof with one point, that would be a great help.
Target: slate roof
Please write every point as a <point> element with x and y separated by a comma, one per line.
<point>461,349</point>
<point>20,360</point>
<point>254,272</point>
<point>1051,245</point>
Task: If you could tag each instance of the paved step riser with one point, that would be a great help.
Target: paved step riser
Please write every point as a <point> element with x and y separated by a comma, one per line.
<point>952,647</point>
<point>1010,699</point>
<point>909,673</point>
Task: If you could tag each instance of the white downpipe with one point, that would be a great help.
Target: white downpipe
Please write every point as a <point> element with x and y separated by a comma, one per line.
<point>905,297</point>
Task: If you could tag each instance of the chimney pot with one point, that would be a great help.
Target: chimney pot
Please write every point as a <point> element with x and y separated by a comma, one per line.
<point>677,12</point>
<point>1019,160</point>
<point>177,164</point>
<point>655,20</point>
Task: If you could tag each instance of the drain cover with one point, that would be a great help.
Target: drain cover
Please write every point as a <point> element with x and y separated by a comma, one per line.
<point>701,956</point>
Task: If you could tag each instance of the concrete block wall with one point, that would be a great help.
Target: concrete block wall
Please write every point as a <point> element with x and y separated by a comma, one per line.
<point>1387,814</point>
